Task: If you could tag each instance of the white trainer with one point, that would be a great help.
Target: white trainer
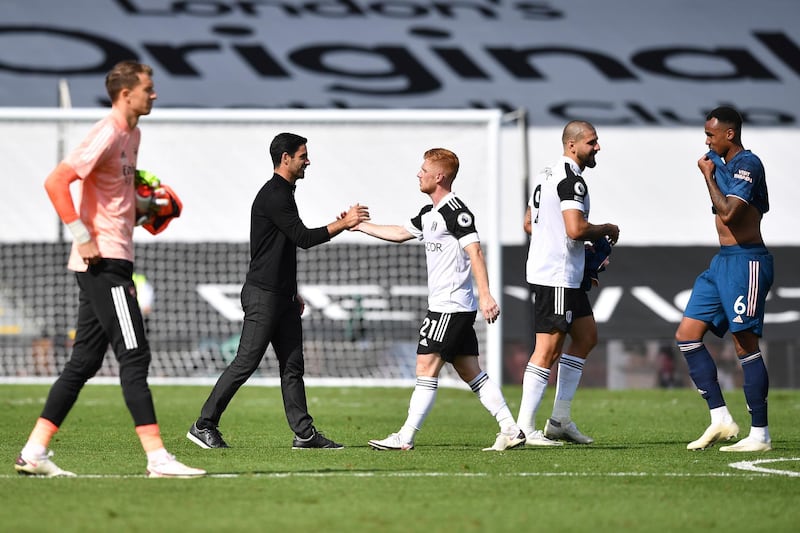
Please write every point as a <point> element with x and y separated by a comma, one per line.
<point>171,467</point>
<point>40,466</point>
<point>748,444</point>
<point>560,430</point>
<point>506,442</point>
<point>392,442</point>
<point>537,438</point>
<point>714,433</point>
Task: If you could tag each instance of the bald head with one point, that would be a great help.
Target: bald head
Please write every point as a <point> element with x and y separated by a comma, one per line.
<point>580,143</point>
<point>575,131</point>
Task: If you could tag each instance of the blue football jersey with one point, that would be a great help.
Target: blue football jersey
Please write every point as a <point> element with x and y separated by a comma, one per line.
<point>742,177</point>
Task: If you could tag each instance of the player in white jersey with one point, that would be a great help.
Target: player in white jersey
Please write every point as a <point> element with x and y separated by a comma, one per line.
<point>558,220</point>
<point>454,257</point>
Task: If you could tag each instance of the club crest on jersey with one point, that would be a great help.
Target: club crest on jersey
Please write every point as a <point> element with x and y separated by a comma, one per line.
<point>580,188</point>
<point>464,219</point>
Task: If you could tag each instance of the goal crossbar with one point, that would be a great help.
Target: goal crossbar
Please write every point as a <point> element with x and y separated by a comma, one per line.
<point>166,129</point>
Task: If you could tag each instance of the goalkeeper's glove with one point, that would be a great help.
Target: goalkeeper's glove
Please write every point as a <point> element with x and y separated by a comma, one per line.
<point>156,204</point>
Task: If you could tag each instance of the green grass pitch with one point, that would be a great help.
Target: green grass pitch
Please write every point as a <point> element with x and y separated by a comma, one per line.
<point>638,476</point>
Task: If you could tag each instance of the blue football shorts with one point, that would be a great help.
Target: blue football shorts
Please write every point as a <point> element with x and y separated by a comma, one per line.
<point>731,294</point>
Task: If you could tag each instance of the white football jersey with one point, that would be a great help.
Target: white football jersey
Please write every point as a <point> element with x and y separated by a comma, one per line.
<point>446,229</point>
<point>555,260</point>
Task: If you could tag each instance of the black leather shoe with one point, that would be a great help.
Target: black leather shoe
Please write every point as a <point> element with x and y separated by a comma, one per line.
<point>316,440</point>
<point>206,438</point>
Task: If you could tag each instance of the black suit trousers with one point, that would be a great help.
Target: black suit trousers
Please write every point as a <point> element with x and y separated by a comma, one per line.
<point>273,318</point>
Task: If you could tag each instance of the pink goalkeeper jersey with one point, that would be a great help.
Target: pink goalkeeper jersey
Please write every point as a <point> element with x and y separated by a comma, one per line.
<point>106,164</point>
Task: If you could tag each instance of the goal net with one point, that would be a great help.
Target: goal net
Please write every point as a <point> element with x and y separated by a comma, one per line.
<point>365,298</point>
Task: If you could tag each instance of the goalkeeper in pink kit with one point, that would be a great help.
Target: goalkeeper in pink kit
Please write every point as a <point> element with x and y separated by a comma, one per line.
<point>102,258</point>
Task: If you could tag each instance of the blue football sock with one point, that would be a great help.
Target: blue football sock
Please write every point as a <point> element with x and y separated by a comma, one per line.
<point>703,372</point>
<point>756,387</point>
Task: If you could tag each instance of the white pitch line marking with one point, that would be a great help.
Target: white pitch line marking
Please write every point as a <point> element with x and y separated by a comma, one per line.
<point>752,466</point>
<point>752,470</point>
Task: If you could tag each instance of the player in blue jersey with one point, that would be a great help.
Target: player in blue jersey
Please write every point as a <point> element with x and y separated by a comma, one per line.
<point>447,335</point>
<point>730,295</point>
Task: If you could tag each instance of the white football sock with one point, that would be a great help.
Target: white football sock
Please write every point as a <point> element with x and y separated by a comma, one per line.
<point>570,370</point>
<point>491,397</point>
<point>33,449</point>
<point>721,414</point>
<point>534,384</point>
<point>421,403</point>
<point>158,456</point>
<point>760,434</point>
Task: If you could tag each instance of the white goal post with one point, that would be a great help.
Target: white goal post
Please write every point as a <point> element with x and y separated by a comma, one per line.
<point>217,160</point>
